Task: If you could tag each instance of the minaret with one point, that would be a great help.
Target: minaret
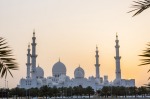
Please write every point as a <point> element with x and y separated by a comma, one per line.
<point>28,62</point>
<point>33,56</point>
<point>97,65</point>
<point>117,58</point>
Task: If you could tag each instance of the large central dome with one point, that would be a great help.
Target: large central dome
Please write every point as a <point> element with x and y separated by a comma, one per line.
<point>58,69</point>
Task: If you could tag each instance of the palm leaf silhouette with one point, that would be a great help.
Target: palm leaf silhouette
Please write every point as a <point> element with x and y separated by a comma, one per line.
<point>140,6</point>
<point>146,57</point>
<point>7,63</point>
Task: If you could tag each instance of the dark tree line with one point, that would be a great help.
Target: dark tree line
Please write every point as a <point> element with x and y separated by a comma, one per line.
<point>78,91</point>
<point>46,92</point>
<point>116,91</point>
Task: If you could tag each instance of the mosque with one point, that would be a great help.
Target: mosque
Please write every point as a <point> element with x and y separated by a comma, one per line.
<point>35,74</point>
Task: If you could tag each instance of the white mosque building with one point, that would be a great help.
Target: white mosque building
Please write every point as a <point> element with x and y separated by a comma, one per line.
<point>35,74</point>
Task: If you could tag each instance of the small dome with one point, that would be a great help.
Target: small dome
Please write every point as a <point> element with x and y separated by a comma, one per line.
<point>58,69</point>
<point>62,78</point>
<point>67,78</point>
<point>79,72</point>
<point>97,81</point>
<point>22,80</point>
<point>49,81</point>
<point>39,81</point>
<point>39,72</point>
<point>117,81</point>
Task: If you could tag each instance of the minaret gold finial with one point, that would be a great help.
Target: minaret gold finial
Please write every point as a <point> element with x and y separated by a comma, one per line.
<point>116,35</point>
<point>96,48</point>
<point>29,46</point>
<point>33,32</point>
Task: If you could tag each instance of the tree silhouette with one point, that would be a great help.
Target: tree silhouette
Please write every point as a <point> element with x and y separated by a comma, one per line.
<point>89,91</point>
<point>7,63</point>
<point>140,6</point>
<point>105,91</point>
<point>146,57</point>
<point>44,91</point>
<point>34,92</point>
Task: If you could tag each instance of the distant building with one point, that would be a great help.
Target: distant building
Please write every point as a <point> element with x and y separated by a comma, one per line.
<point>35,74</point>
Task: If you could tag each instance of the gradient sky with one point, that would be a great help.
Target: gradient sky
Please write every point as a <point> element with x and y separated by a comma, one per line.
<point>71,29</point>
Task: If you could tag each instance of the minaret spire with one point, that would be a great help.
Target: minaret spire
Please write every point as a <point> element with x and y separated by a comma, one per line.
<point>28,62</point>
<point>117,58</point>
<point>33,56</point>
<point>97,65</point>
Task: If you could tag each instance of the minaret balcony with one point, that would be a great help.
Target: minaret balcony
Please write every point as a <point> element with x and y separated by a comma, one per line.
<point>28,64</point>
<point>118,57</point>
<point>97,56</point>
<point>33,56</point>
<point>33,44</point>
<point>32,71</point>
<point>97,65</point>
<point>117,46</point>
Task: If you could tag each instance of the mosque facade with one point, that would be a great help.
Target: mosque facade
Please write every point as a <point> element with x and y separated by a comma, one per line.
<point>35,74</point>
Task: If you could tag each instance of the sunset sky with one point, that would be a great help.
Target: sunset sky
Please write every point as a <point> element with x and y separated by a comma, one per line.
<point>71,29</point>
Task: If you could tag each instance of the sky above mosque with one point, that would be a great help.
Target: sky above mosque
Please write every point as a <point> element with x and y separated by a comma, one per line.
<point>70,30</point>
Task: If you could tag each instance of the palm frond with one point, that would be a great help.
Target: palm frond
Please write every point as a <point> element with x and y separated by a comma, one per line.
<point>140,6</point>
<point>7,62</point>
<point>147,85</point>
<point>146,54</point>
<point>145,57</point>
